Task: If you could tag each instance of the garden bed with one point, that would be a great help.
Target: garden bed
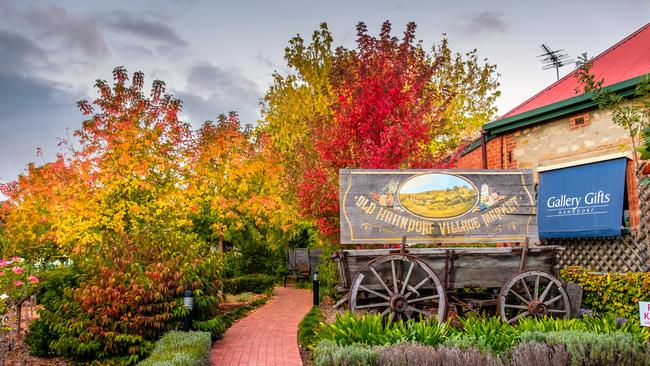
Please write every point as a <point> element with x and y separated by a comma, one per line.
<point>369,340</point>
<point>19,355</point>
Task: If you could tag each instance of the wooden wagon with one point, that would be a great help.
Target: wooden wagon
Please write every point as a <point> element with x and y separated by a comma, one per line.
<point>481,207</point>
<point>405,283</point>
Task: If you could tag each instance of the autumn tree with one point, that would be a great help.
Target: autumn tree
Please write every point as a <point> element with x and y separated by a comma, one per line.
<point>116,203</point>
<point>388,103</point>
<point>36,202</point>
<point>296,104</point>
<point>236,187</point>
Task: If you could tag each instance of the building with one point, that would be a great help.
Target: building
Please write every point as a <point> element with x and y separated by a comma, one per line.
<point>556,125</point>
<point>557,128</point>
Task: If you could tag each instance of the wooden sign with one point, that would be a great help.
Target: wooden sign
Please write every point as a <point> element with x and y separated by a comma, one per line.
<point>436,206</point>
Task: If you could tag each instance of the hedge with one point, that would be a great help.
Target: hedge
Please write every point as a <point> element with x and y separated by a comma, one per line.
<point>611,292</point>
<point>257,283</point>
<point>538,349</point>
<point>181,349</point>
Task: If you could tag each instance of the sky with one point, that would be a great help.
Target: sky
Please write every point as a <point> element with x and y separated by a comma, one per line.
<point>433,182</point>
<point>219,56</point>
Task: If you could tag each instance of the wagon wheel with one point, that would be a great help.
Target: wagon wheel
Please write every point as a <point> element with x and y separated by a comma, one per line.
<point>533,293</point>
<point>400,286</point>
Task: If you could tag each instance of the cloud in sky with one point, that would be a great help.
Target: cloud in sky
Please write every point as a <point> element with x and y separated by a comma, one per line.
<point>33,110</point>
<point>212,90</point>
<point>486,22</point>
<point>18,52</point>
<point>74,30</point>
<point>155,30</point>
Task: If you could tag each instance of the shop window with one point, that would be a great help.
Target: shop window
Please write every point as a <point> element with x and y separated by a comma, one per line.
<point>579,120</point>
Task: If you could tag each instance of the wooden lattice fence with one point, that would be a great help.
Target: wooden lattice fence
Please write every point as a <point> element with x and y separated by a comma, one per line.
<point>618,254</point>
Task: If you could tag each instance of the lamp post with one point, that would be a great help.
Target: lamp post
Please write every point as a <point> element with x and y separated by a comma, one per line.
<point>315,288</point>
<point>188,303</point>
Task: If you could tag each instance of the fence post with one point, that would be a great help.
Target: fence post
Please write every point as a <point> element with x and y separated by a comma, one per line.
<point>11,323</point>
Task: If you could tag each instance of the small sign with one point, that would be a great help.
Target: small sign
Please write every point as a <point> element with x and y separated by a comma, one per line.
<point>582,201</point>
<point>644,313</point>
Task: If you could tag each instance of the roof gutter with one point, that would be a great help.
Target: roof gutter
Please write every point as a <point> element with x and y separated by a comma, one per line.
<point>559,109</point>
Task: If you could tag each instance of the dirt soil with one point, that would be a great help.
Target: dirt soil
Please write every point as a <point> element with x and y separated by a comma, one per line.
<point>19,355</point>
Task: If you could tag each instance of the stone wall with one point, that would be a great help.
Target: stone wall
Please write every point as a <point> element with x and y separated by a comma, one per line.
<point>561,140</point>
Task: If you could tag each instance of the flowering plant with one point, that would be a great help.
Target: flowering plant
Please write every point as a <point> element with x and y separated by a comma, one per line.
<point>17,281</point>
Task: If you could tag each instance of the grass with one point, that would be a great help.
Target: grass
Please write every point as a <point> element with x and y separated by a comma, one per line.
<point>181,349</point>
<point>308,328</point>
<point>242,297</point>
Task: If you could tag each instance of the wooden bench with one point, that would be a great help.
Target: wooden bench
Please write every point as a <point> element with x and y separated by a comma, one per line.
<point>301,262</point>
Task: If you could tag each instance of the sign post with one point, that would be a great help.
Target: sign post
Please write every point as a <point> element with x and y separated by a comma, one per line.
<point>644,313</point>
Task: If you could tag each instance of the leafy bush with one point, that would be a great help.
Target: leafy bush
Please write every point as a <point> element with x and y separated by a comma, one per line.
<point>53,294</point>
<point>407,354</point>
<point>251,253</point>
<point>373,330</point>
<point>181,349</point>
<point>18,281</point>
<point>215,326</point>
<point>490,335</point>
<point>328,353</point>
<point>38,338</point>
<point>617,293</point>
<point>115,310</point>
<point>308,327</point>
<point>539,354</point>
<point>411,354</point>
<point>257,283</point>
<point>586,348</point>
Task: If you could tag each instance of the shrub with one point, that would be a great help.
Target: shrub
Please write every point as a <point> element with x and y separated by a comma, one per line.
<point>328,353</point>
<point>53,294</point>
<point>251,254</point>
<point>115,311</point>
<point>488,334</point>
<point>404,354</point>
<point>38,338</point>
<point>181,349</point>
<point>257,283</point>
<point>349,328</point>
<point>373,330</point>
<point>411,354</point>
<point>215,326</point>
<point>539,354</point>
<point>617,293</point>
<point>587,348</point>
<point>308,327</point>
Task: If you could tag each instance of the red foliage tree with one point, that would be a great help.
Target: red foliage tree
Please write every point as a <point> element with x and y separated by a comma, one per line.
<point>386,115</point>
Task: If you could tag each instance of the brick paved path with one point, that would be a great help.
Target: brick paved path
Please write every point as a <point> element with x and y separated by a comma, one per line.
<point>268,335</point>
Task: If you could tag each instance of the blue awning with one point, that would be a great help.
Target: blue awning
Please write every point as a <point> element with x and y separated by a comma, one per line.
<point>582,201</point>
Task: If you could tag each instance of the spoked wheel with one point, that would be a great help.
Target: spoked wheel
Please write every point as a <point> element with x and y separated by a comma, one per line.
<point>399,286</point>
<point>533,293</point>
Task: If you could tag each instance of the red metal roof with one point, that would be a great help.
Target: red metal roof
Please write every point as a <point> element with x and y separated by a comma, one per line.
<point>625,60</point>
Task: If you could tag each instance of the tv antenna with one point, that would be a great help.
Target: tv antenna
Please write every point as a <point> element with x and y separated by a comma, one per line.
<point>554,59</point>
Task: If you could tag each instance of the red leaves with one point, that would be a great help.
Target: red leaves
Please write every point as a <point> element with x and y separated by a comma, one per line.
<point>384,117</point>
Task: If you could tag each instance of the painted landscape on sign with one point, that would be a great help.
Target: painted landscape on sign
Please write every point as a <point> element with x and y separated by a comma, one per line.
<point>438,196</point>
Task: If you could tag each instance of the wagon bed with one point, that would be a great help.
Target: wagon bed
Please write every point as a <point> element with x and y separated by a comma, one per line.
<point>520,281</point>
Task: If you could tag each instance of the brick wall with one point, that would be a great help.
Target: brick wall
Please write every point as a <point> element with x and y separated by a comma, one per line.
<point>500,155</point>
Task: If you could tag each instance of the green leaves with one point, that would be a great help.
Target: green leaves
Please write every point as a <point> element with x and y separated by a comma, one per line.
<point>374,330</point>
<point>616,293</point>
